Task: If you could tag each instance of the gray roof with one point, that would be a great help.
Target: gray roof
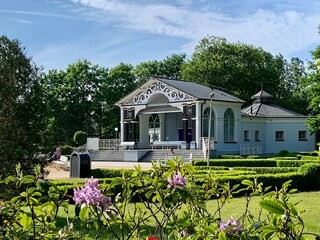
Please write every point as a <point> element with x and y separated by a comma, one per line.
<point>262,94</point>
<point>199,91</point>
<point>268,110</point>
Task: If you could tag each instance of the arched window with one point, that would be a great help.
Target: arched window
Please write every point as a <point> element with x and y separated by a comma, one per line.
<point>154,128</point>
<point>228,125</point>
<point>205,122</point>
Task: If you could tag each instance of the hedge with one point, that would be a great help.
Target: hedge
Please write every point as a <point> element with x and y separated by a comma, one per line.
<point>293,163</point>
<point>230,157</point>
<point>238,163</point>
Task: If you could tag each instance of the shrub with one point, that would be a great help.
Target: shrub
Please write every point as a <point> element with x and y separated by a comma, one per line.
<point>230,157</point>
<point>255,157</point>
<point>66,149</point>
<point>314,158</point>
<point>80,137</point>
<point>283,153</point>
<point>293,163</point>
<point>238,163</point>
<point>286,158</point>
<point>311,173</point>
<point>109,173</point>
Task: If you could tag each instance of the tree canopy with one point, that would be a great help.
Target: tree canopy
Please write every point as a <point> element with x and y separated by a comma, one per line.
<point>312,83</point>
<point>239,69</point>
<point>21,108</point>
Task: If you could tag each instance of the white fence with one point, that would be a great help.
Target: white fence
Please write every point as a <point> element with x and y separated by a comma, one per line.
<point>250,149</point>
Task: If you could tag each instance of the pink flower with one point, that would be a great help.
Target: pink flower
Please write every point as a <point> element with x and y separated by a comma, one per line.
<point>177,181</point>
<point>90,194</point>
<point>227,225</point>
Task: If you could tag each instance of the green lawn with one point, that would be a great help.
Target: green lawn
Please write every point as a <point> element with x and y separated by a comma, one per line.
<point>308,201</point>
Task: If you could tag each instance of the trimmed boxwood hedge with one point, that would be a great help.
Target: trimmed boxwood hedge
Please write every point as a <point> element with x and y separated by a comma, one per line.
<point>294,163</point>
<point>238,163</point>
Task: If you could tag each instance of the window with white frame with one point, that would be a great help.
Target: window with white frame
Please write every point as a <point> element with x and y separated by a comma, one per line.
<point>279,135</point>
<point>206,120</point>
<point>246,135</point>
<point>302,135</point>
<point>229,125</point>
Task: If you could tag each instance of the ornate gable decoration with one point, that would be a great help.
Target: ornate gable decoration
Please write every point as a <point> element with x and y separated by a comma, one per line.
<point>172,94</point>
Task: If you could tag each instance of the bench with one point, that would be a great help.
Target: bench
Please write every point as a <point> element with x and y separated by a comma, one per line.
<point>127,145</point>
<point>167,144</point>
<point>62,163</point>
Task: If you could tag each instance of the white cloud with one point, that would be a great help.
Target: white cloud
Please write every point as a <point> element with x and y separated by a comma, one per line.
<point>22,21</point>
<point>34,13</point>
<point>284,32</point>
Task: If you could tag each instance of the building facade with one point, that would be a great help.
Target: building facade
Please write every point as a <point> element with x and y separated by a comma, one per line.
<point>165,113</point>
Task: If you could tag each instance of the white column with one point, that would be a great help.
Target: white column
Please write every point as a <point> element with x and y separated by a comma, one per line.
<point>198,123</point>
<point>121,125</point>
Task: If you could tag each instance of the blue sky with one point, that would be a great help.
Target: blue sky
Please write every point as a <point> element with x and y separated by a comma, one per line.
<point>106,32</point>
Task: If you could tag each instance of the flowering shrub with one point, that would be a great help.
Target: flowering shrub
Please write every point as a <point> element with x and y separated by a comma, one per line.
<point>91,194</point>
<point>231,226</point>
<point>176,181</point>
<point>166,204</point>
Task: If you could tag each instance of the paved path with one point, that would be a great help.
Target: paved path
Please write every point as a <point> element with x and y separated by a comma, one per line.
<point>58,173</point>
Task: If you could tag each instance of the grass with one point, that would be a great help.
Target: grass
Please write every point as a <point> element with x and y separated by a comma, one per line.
<point>307,201</point>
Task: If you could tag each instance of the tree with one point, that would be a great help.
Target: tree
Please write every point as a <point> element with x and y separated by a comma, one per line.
<point>21,108</point>
<point>296,97</point>
<point>240,69</point>
<point>170,68</point>
<point>74,100</point>
<point>312,83</point>
<point>121,82</point>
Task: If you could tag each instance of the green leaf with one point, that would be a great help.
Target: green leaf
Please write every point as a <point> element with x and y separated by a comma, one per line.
<point>25,221</point>
<point>116,181</point>
<point>188,168</point>
<point>222,236</point>
<point>210,230</point>
<point>271,206</point>
<point>65,205</point>
<point>84,213</point>
<point>247,182</point>
<point>293,209</point>
<point>27,179</point>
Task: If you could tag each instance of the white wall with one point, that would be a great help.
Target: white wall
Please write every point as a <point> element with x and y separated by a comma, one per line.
<point>219,109</point>
<point>291,127</point>
<point>253,124</point>
<point>268,127</point>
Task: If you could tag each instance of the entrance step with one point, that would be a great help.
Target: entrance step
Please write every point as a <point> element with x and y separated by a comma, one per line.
<point>159,154</point>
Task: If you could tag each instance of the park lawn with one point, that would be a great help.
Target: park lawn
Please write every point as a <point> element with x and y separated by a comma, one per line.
<point>307,201</point>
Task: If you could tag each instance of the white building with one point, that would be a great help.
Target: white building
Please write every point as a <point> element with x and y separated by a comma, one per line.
<point>175,113</point>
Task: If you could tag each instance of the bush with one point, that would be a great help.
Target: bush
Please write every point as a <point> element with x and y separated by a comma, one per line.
<point>255,157</point>
<point>311,174</point>
<point>230,157</point>
<point>238,163</point>
<point>293,163</point>
<point>109,173</point>
<point>286,158</point>
<point>283,153</point>
<point>66,149</point>
<point>80,137</point>
<point>313,158</point>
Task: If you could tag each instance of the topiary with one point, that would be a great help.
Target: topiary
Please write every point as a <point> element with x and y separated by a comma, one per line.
<point>80,137</point>
<point>283,153</point>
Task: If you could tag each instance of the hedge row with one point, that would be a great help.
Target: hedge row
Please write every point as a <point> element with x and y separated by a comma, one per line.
<point>237,163</point>
<point>306,178</point>
<point>253,163</point>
